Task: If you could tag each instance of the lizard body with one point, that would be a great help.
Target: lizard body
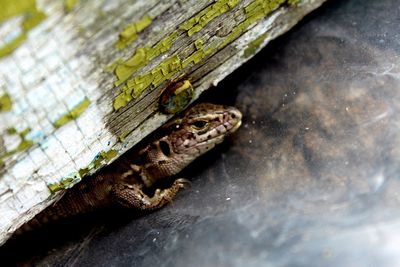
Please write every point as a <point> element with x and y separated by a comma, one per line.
<point>179,142</point>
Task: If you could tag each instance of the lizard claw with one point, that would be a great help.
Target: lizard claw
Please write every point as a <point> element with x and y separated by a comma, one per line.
<point>157,192</point>
<point>183,183</point>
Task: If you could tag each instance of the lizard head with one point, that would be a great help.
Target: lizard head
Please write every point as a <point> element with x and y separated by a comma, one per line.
<point>187,137</point>
<point>200,128</point>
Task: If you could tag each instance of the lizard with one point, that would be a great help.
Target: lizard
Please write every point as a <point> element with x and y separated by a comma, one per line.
<point>124,184</point>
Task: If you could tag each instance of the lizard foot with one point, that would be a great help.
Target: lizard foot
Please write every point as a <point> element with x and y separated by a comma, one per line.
<point>133,197</point>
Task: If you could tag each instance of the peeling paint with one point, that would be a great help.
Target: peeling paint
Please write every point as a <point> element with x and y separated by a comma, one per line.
<point>293,2</point>
<point>23,145</point>
<point>254,45</point>
<point>101,159</point>
<point>124,135</point>
<point>70,4</point>
<point>254,12</point>
<point>63,184</point>
<point>134,87</point>
<point>130,32</point>
<point>110,68</point>
<point>72,114</point>
<point>141,57</point>
<point>32,17</point>
<point>12,8</point>
<point>5,103</point>
<point>196,23</point>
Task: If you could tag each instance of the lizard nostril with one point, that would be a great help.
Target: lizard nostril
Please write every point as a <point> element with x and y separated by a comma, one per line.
<point>165,149</point>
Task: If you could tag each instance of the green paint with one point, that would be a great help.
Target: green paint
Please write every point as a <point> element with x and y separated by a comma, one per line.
<point>293,2</point>
<point>141,57</point>
<point>199,44</point>
<point>254,12</point>
<point>11,131</point>
<point>254,45</point>
<point>69,4</point>
<point>63,184</point>
<point>72,114</point>
<point>130,32</point>
<point>195,57</point>
<point>32,17</point>
<point>67,182</point>
<point>110,68</point>
<point>23,145</point>
<point>99,160</point>
<point>201,19</point>
<point>8,48</point>
<point>124,135</point>
<point>83,172</point>
<point>135,86</point>
<point>104,157</point>
<point>5,101</point>
<point>12,8</point>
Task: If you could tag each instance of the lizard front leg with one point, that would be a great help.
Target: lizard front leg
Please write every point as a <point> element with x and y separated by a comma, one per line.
<point>132,196</point>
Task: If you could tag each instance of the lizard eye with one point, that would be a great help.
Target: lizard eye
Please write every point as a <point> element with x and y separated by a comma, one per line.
<point>165,149</point>
<point>199,124</point>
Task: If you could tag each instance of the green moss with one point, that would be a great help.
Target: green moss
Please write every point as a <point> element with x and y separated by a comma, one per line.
<point>206,15</point>
<point>129,34</point>
<point>5,101</point>
<point>254,45</point>
<point>72,114</point>
<point>69,4</point>
<point>32,17</point>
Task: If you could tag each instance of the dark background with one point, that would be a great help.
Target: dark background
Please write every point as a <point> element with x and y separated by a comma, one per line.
<point>310,179</point>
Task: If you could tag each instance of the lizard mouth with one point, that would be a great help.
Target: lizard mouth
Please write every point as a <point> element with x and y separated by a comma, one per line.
<point>235,126</point>
<point>236,119</point>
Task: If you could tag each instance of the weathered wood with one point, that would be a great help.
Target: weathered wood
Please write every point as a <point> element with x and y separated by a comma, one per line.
<point>80,84</point>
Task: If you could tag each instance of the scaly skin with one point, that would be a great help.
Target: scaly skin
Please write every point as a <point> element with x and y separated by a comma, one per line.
<point>180,141</point>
